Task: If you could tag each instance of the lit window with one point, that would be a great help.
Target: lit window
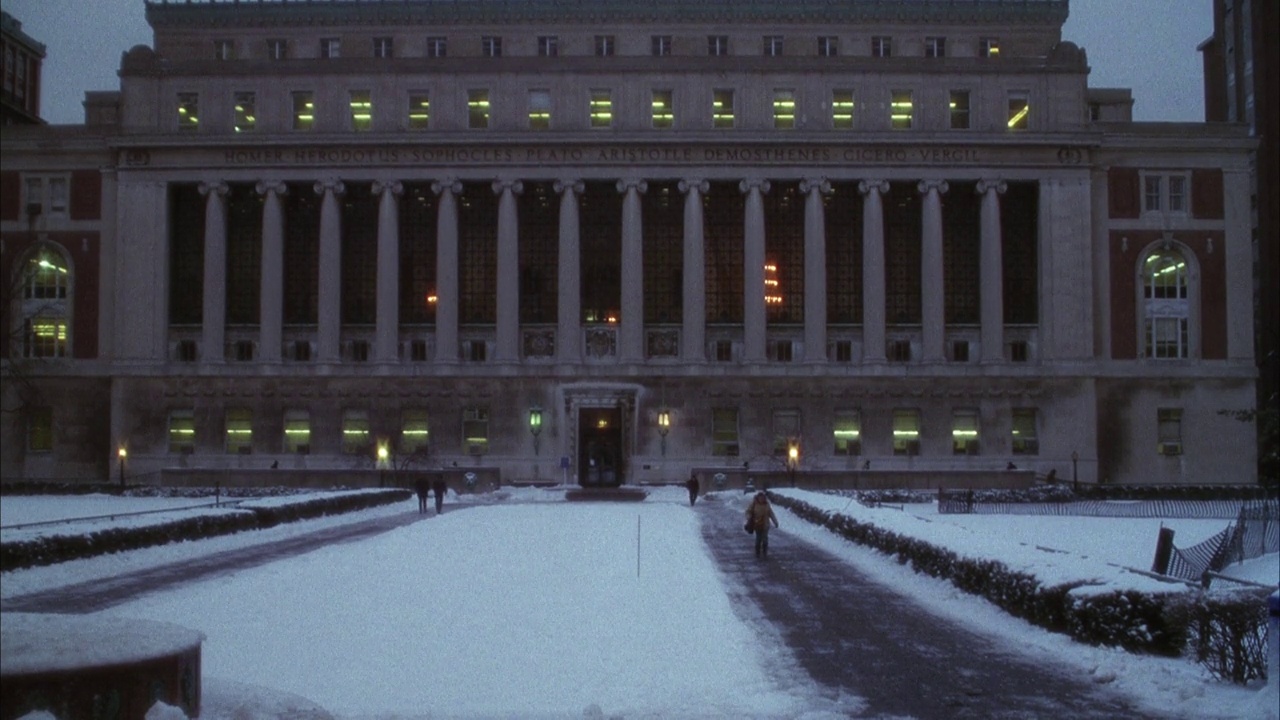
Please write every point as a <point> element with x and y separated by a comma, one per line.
<point>45,336</point>
<point>784,109</point>
<point>1169,431</point>
<point>188,111</point>
<point>660,45</point>
<point>383,47</point>
<point>277,49</point>
<point>475,430</point>
<point>848,432</point>
<point>901,110</point>
<point>935,47</point>
<point>239,424</point>
<point>1166,309</point>
<point>959,109</point>
<point>182,432</point>
<point>477,109</point>
<point>1025,438</point>
<point>964,432</point>
<point>361,111</point>
<point>989,47</point>
<point>601,108</point>
<point>1019,109</point>
<point>245,114</point>
<point>548,46</point>
<point>881,46</point>
<point>773,45</point>
<point>722,108</point>
<point>47,277</point>
<point>828,46</point>
<point>604,45</point>
<point>842,109</point>
<point>491,46</point>
<point>437,47</point>
<point>724,431</point>
<point>330,48</point>
<point>663,110</point>
<point>539,109</point>
<point>355,433</point>
<point>40,429</point>
<point>419,111</point>
<point>304,110</point>
<point>297,432</point>
<point>786,429</point>
<point>415,434</point>
<point>223,50</point>
<point>46,291</point>
<point>717,45</point>
<point>906,432</point>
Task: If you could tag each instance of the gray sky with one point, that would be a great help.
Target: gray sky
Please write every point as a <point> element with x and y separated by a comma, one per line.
<point>1146,45</point>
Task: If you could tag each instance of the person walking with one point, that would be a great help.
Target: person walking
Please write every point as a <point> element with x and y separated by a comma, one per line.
<point>692,485</point>
<point>440,488</point>
<point>421,487</point>
<point>759,516</point>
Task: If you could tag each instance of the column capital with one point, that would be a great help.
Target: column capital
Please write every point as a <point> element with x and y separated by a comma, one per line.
<point>694,185</point>
<point>217,186</point>
<point>392,186</point>
<point>639,184</point>
<point>927,186</point>
<point>501,185</point>
<point>746,186</point>
<point>279,187</point>
<point>563,186</point>
<point>333,185</point>
<point>453,185</point>
<point>820,185</point>
<point>986,186</point>
<point>866,187</point>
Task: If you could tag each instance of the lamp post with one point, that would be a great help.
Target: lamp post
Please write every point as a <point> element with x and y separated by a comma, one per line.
<point>1075,477</point>
<point>121,454</point>
<point>382,465</point>
<point>793,459</point>
<point>535,425</point>
<point>664,427</point>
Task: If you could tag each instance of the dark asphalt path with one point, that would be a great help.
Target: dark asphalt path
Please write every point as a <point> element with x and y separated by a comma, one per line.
<point>858,637</point>
<point>95,595</point>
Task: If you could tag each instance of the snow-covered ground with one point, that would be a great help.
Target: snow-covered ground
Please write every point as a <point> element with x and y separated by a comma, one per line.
<point>530,608</point>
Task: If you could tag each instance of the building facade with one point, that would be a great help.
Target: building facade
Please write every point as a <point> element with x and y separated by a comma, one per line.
<point>20,60</point>
<point>622,241</point>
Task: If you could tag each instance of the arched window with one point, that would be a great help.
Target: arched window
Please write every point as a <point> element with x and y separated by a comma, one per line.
<point>1166,309</point>
<point>46,304</point>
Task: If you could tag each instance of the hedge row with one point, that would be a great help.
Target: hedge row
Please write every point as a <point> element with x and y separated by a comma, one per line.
<point>1158,624</point>
<point>54,549</point>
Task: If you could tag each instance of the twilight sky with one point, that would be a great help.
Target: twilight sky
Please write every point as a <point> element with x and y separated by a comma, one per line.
<point>1146,45</point>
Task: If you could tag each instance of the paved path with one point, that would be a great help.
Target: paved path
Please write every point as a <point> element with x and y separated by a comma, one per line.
<point>857,637</point>
<point>95,595</point>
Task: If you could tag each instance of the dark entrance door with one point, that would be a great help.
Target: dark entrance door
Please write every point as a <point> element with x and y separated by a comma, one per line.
<point>600,447</point>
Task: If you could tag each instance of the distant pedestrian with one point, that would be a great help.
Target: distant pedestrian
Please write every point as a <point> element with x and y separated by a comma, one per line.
<point>440,488</point>
<point>759,516</point>
<point>422,487</point>
<point>692,485</point>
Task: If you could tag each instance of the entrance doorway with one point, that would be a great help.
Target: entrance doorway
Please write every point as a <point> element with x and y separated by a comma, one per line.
<point>600,456</point>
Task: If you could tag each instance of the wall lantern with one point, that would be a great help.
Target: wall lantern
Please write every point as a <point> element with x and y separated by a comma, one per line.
<point>122,454</point>
<point>535,425</point>
<point>793,459</point>
<point>664,427</point>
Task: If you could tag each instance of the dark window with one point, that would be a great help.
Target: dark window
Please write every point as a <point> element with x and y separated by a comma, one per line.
<point>539,211</point>
<point>717,45</point>
<point>477,254</point>
<point>961,253</point>
<point>418,351</point>
<point>900,351</point>
<point>784,254</point>
<point>663,222</point>
<point>359,254</point>
<point>660,45</point>
<point>843,351</point>
<point>960,351</point>
<point>301,254</point>
<point>723,207</point>
<point>491,46</point>
<point>302,351</point>
<point>277,49</point>
<point>935,47</point>
<point>418,298</point>
<point>724,351</point>
<point>360,351</point>
<point>1019,230</point>
<point>902,233</point>
<point>548,46</point>
<point>828,46</point>
<point>844,253</point>
<point>437,47</point>
<point>601,247</point>
<point>1018,351</point>
<point>186,351</point>
<point>186,254</point>
<point>383,47</point>
<point>604,45</point>
<point>244,254</point>
<point>881,46</point>
<point>243,350</point>
<point>40,430</point>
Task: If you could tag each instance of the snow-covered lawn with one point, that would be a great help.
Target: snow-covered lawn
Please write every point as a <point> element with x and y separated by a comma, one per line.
<point>516,609</point>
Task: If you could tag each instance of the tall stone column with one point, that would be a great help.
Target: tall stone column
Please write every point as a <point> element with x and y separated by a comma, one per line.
<point>631,325</point>
<point>873,279</point>
<point>991,272</point>
<point>815,270</point>
<point>569,282</point>
<point>693,331</point>
<point>329,314</point>
<point>447,269</point>
<point>271,290</point>
<point>214,317</point>
<point>386,339</point>
<point>933,299</point>
<point>507,340</point>
<point>753,315</point>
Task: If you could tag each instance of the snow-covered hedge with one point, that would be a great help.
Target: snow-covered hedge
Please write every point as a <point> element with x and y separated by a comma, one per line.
<point>255,514</point>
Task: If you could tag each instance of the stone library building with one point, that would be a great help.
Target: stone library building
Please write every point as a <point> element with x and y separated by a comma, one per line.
<point>620,242</point>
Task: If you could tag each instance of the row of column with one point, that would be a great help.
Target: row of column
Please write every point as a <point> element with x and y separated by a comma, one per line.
<point>631,324</point>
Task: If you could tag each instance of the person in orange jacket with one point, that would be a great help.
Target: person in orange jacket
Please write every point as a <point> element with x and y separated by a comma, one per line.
<point>759,515</point>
